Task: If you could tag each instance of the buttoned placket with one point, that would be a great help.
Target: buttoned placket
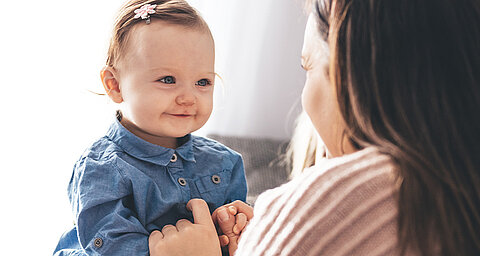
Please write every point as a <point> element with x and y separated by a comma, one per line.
<point>177,170</point>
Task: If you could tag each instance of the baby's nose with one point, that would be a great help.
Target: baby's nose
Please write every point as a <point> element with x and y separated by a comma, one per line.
<point>186,98</point>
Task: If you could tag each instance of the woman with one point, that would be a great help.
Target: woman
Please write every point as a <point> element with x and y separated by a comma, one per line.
<point>396,104</point>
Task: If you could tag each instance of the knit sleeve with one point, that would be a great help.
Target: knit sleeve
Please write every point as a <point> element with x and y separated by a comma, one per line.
<point>346,206</point>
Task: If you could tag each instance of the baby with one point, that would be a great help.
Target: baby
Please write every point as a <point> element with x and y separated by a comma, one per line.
<point>140,175</point>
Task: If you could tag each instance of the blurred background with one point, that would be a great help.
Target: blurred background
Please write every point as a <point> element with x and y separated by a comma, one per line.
<point>51,53</point>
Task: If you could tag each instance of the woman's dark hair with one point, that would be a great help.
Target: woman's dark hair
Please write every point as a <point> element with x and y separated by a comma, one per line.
<point>407,77</point>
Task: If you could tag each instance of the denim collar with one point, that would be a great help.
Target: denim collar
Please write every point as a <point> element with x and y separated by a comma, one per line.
<point>144,150</point>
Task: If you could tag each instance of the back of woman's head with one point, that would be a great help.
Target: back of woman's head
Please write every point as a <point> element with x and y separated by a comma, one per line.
<point>407,77</point>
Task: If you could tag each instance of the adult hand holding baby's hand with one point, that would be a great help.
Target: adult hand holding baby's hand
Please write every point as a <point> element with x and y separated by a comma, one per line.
<point>231,219</point>
<point>186,238</point>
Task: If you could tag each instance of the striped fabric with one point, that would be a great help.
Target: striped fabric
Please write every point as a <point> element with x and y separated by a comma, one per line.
<point>342,206</point>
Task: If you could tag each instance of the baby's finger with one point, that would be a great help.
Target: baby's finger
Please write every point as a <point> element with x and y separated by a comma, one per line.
<point>240,223</point>
<point>224,241</point>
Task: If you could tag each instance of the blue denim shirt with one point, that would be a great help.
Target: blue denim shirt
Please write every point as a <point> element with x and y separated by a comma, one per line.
<point>124,187</point>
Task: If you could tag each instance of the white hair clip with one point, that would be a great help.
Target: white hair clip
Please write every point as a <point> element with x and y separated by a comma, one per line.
<point>145,11</point>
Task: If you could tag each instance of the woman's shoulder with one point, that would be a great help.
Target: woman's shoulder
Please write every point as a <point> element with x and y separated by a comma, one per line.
<point>363,168</point>
<point>345,205</point>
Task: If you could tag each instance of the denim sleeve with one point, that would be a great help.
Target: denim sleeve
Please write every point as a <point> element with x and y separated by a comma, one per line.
<point>237,190</point>
<point>100,195</point>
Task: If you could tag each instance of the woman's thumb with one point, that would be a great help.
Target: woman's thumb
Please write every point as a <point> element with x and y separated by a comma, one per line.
<point>201,213</point>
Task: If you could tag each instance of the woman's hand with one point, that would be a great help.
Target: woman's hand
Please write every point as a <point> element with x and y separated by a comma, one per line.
<point>185,238</point>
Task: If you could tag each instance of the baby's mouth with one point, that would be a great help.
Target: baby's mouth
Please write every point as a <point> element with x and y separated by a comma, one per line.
<point>181,115</point>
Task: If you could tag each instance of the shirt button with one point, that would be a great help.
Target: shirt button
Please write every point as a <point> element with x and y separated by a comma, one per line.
<point>216,179</point>
<point>98,242</point>
<point>182,181</point>
<point>174,158</point>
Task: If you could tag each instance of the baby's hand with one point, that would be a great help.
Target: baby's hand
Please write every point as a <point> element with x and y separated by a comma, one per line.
<point>231,219</point>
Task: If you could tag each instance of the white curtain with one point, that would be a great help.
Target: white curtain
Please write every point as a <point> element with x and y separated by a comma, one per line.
<point>258,50</point>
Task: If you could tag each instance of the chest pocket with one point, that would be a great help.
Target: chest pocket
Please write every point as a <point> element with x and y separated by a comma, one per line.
<point>213,187</point>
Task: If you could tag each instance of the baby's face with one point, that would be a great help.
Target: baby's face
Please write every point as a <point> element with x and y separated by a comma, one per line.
<point>166,79</point>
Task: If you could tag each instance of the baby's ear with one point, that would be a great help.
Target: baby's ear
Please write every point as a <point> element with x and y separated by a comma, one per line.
<point>111,84</point>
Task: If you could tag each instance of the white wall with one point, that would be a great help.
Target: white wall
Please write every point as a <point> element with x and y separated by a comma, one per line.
<point>50,54</point>
<point>258,55</point>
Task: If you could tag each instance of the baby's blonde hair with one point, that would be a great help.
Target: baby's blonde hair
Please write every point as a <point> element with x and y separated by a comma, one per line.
<point>306,147</point>
<point>177,12</point>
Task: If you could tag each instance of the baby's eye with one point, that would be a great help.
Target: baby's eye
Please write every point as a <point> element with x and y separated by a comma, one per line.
<point>167,80</point>
<point>203,82</point>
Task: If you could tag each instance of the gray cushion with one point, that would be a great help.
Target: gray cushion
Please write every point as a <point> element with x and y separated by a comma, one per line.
<point>265,167</point>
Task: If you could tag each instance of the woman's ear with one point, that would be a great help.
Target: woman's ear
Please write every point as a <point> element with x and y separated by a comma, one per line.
<point>111,84</point>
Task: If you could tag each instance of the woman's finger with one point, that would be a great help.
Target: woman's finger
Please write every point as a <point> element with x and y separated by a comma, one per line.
<point>155,235</point>
<point>201,214</point>
<point>154,240</point>
<point>244,208</point>
<point>168,230</point>
<point>182,224</point>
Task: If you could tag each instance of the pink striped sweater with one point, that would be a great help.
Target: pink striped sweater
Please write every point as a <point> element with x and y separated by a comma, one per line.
<point>342,206</point>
